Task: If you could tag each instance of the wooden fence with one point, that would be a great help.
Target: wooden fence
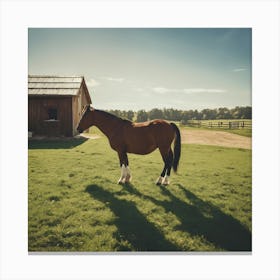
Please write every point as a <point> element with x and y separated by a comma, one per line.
<point>231,124</point>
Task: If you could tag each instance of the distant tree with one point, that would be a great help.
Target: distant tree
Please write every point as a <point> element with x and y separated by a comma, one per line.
<point>224,113</point>
<point>141,116</point>
<point>196,115</point>
<point>176,114</point>
<point>246,112</point>
<point>166,114</point>
<point>155,114</point>
<point>207,114</point>
<point>235,113</point>
<point>172,114</point>
<point>184,116</point>
<point>130,115</point>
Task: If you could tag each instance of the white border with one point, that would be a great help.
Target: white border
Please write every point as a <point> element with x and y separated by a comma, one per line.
<point>262,16</point>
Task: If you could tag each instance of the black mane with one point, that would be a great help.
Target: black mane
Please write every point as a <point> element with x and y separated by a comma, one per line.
<point>112,116</point>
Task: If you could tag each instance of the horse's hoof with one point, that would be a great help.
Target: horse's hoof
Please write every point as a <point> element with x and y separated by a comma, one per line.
<point>128,179</point>
<point>165,181</point>
<point>121,181</point>
<point>159,181</point>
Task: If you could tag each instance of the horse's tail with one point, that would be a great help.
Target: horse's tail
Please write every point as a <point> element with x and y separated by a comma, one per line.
<point>177,147</point>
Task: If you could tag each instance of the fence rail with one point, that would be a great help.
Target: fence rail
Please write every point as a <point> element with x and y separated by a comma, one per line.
<point>222,124</point>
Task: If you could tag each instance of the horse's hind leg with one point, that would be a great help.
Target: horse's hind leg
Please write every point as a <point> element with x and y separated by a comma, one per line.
<point>168,170</point>
<point>162,175</point>
<point>167,157</point>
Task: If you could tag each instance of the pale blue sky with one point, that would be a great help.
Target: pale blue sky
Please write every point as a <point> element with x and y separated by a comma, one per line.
<point>185,68</point>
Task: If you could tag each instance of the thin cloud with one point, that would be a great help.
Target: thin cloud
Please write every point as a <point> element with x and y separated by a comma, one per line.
<point>139,89</point>
<point>113,79</point>
<point>239,69</point>
<point>92,83</point>
<point>201,90</point>
<point>163,90</point>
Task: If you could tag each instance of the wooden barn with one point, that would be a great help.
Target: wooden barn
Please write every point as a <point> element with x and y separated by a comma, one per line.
<point>55,104</point>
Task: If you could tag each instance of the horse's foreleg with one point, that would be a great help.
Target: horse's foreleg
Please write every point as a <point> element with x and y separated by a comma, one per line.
<point>125,172</point>
<point>128,176</point>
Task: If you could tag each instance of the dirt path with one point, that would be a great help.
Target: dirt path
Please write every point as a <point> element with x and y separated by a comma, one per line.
<point>217,138</point>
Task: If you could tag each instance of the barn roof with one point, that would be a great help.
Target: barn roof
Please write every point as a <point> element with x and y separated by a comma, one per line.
<point>54,85</point>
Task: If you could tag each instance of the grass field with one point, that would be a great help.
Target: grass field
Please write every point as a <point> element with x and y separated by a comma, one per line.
<point>74,203</point>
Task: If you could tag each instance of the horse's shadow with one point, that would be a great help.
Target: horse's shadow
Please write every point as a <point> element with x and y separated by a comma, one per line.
<point>55,143</point>
<point>198,218</point>
<point>202,218</point>
<point>132,224</point>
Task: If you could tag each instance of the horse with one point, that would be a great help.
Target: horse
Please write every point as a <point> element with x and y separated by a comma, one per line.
<point>138,138</point>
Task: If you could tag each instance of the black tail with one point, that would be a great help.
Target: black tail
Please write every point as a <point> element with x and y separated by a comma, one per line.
<point>177,147</point>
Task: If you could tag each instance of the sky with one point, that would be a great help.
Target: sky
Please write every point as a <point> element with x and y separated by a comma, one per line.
<point>145,68</point>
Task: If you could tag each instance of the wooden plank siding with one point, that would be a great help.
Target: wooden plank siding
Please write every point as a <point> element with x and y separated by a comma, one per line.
<point>76,109</point>
<point>78,103</point>
<point>38,117</point>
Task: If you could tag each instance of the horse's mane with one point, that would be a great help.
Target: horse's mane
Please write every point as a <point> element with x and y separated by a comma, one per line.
<point>111,116</point>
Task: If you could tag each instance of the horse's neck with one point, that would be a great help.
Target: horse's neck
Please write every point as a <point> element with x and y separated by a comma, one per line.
<point>105,123</point>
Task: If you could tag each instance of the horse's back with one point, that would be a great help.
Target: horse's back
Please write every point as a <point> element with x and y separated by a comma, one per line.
<point>149,123</point>
<point>145,137</point>
<point>154,127</point>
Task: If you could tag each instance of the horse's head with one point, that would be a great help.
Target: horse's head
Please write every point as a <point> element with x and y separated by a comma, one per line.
<point>86,119</point>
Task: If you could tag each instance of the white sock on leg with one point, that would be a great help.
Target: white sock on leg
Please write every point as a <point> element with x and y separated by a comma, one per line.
<point>123,174</point>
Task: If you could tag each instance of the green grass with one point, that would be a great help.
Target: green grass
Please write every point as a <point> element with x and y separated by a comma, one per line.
<point>75,204</point>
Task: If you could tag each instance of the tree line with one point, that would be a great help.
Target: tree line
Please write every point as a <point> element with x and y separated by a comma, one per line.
<point>184,116</point>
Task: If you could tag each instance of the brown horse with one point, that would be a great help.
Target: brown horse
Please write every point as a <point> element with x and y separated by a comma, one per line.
<point>137,138</point>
